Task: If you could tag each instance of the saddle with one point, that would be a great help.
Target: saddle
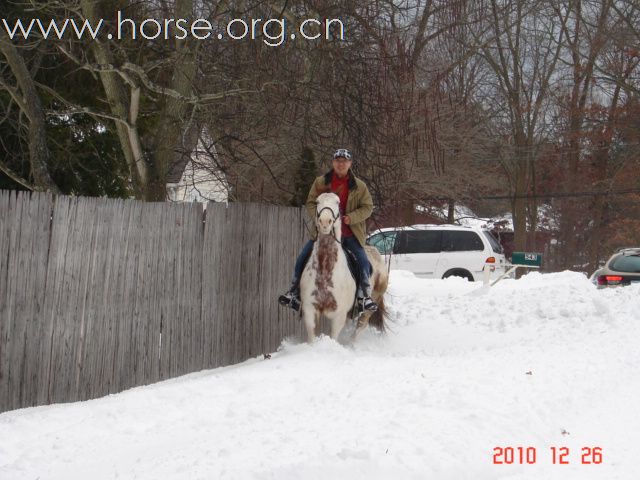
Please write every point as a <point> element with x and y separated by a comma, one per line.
<point>352,262</point>
<point>353,267</point>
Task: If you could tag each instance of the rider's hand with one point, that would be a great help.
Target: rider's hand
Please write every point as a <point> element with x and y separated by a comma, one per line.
<point>346,220</point>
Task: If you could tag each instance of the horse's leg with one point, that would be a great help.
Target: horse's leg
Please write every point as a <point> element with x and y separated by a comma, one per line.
<point>338,319</point>
<point>363,323</point>
<point>317,320</point>
<point>309,317</point>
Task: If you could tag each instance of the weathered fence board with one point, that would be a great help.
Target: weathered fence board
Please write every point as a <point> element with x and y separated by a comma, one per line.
<point>212,254</point>
<point>67,290</point>
<point>6,227</point>
<point>248,257</point>
<point>98,311</point>
<point>100,295</point>
<point>278,266</point>
<point>24,247</point>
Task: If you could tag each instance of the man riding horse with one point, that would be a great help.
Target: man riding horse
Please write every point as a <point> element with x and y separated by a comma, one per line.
<point>355,207</point>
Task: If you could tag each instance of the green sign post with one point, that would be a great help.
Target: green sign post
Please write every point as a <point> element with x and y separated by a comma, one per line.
<point>526,259</point>
<point>521,259</point>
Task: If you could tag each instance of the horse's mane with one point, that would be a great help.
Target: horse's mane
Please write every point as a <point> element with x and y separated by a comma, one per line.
<point>323,189</point>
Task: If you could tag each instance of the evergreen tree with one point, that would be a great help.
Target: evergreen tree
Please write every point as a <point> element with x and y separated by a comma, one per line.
<point>305,175</point>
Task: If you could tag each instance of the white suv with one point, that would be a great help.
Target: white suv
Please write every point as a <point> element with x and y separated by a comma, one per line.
<point>440,251</point>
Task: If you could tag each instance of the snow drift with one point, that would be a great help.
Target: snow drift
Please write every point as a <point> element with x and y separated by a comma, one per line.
<point>547,361</point>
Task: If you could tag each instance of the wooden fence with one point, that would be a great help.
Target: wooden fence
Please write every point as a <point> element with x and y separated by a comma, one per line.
<point>100,295</point>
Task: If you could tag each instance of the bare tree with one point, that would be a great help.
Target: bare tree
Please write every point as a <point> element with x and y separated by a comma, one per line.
<point>25,95</point>
<point>522,49</point>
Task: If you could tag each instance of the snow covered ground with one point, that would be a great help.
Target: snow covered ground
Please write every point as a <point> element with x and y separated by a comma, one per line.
<point>544,361</point>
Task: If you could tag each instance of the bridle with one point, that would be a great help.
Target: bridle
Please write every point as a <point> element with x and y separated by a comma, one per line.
<point>334,216</point>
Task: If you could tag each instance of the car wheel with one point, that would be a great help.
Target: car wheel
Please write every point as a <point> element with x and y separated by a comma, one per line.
<point>458,272</point>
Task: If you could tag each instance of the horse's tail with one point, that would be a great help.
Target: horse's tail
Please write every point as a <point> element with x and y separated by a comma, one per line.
<point>379,317</point>
<point>380,284</point>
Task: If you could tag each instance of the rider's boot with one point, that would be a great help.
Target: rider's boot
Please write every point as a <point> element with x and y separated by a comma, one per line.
<point>365,302</point>
<point>291,299</point>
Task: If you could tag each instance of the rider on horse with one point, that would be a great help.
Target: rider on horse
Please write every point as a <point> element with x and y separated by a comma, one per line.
<point>355,206</point>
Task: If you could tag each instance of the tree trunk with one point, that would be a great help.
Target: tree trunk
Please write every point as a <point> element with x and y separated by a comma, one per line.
<point>451,212</point>
<point>172,119</point>
<point>120,105</point>
<point>30,103</point>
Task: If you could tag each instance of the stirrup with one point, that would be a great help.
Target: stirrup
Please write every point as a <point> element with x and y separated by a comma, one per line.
<point>367,304</point>
<point>290,300</point>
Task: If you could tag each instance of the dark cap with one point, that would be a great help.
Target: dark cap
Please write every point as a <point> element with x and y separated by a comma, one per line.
<point>342,152</point>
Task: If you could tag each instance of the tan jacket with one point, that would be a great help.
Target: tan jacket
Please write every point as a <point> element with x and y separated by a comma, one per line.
<point>359,204</point>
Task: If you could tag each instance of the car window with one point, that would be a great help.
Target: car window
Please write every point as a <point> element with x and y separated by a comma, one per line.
<point>460,241</point>
<point>626,263</point>
<point>383,241</point>
<point>493,241</point>
<point>417,241</point>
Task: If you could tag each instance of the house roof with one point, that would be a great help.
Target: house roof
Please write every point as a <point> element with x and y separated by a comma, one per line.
<point>183,155</point>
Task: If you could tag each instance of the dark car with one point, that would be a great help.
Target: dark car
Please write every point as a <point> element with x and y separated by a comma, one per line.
<point>623,268</point>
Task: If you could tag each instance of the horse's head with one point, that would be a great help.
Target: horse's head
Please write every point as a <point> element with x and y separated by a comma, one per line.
<point>327,212</point>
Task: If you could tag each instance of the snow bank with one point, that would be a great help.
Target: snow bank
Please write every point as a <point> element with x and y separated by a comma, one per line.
<point>544,361</point>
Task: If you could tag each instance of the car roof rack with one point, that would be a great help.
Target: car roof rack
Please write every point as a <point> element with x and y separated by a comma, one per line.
<point>419,226</point>
<point>629,251</point>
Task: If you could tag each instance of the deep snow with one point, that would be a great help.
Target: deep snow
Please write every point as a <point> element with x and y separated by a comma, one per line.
<point>544,361</point>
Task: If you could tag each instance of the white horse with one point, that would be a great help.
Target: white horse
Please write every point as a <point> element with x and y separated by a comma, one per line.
<point>327,286</point>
